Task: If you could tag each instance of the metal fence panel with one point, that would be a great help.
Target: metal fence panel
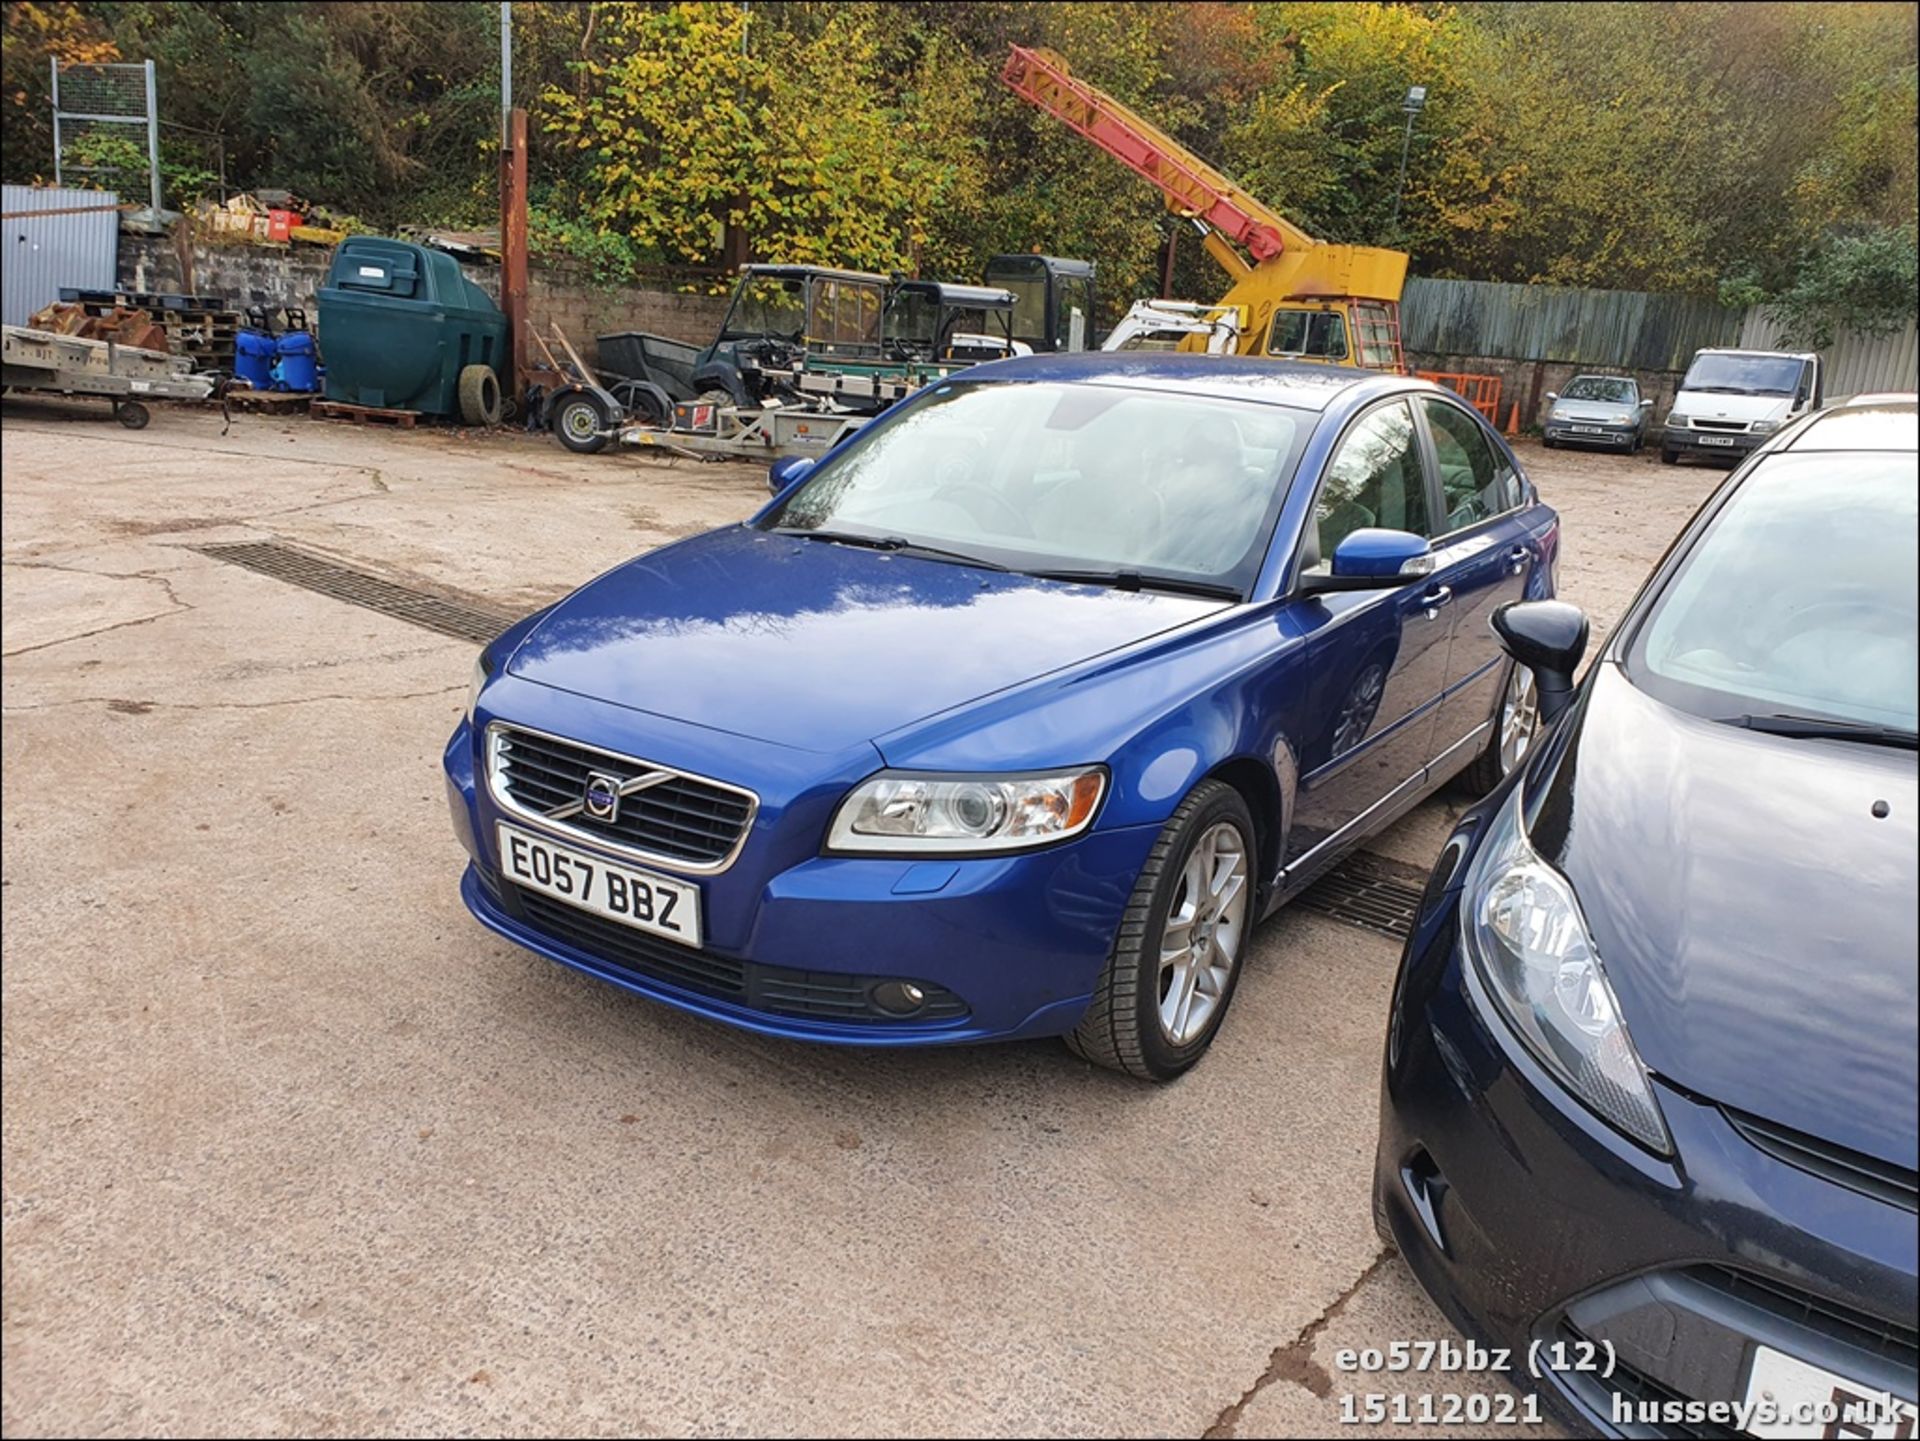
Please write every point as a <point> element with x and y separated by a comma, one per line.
<point>1624,329</point>
<point>42,252</point>
<point>1855,364</point>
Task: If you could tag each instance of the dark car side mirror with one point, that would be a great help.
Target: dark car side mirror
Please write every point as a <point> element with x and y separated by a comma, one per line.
<point>1548,637</point>
<point>783,474</point>
<point>1373,559</point>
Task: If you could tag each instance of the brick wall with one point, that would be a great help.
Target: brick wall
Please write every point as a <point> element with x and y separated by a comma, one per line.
<point>271,277</point>
<point>1526,382</point>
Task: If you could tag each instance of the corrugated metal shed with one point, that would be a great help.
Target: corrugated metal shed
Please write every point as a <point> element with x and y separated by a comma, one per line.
<point>42,252</point>
<point>1857,364</point>
<point>1624,329</point>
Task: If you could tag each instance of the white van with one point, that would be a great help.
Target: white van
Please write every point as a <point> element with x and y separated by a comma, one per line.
<point>1732,400</point>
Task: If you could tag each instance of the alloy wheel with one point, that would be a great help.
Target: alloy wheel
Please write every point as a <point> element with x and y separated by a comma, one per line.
<point>1519,718</point>
<point>1206,925</point>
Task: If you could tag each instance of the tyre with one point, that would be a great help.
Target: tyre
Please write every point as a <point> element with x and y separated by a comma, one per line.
<point>1515,725</point>
<point>1639,441</point>
<point>132,414</point>
<point>1176,961</point>
<point>479,395</point>
<point>1547,442</point>
<point>578,422</point>
<point>1669,457</point>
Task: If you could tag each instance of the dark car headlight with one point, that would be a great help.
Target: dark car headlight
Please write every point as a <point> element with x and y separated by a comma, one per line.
<point>1522,928</point>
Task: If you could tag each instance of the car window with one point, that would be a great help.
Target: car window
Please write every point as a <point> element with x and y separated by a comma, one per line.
<point>1609,389</point>
<point>1374,479</point>
<point>1800,597</point>
<point>1051,476</point>
<point>1313,334</point>
<point>1475,480</point>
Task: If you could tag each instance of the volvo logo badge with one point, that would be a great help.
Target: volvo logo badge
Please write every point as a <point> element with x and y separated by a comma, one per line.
<point>601,796</point>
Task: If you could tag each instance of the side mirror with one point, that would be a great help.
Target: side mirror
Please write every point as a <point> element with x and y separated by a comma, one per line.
<point>782,475</point>
<point>1647,404</point>
<point>1548,637</point>
<point>1373,559</point>
<point>1552,396</point>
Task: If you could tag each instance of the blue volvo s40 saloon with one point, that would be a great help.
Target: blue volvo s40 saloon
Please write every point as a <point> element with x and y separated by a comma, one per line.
<point>1014,714</point>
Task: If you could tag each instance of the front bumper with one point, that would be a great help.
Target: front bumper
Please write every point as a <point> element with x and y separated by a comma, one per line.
<point>1731,445</point>
<point>1528,1220</point>
<point>1591,432</point>
<point>796,942</point>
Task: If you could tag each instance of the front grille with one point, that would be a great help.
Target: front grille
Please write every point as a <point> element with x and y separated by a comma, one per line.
<point>1856,1328</point>
<point>813,995</point>
<point>1868,1175</point>
<point>1633,1386</point>
<point>683,819</point>
<point>1739,425</point>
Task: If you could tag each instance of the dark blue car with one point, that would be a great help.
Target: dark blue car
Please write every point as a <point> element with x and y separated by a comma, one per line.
<point>1015,714</point>
<point>1650,1084</point>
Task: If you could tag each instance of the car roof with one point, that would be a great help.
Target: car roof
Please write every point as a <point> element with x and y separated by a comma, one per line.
<point>1300,384</point>
<point>1601,375</point>
<point>1889,423</point>
<point>1736,350</point>
<point>990,296</point>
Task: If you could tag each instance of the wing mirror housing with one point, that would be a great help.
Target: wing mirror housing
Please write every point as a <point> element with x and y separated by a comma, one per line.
<point>1373,559</point>
<point>786,473</point>
<point>1552,396</point>
<point>1548,637</point>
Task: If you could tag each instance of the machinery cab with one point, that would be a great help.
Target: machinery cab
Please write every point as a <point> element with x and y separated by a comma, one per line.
<point>781,315</point>
<point>928,322</point>
<point>1342,331</point>
<point>1053,300</point>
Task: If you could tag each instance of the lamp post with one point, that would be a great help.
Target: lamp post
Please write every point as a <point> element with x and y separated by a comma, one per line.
<point>1415,102</point>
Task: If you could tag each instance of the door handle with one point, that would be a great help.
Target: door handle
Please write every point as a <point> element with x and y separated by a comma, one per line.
<point>1518,557</point>
<point>1435,598</point>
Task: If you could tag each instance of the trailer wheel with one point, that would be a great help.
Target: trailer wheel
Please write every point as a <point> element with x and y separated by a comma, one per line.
<point>579,424</point>
<point>132,414</point>
<point>479,395</point>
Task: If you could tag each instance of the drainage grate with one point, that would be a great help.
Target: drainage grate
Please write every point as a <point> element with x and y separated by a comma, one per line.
<point>358,587</point>
<point>1371,892</point>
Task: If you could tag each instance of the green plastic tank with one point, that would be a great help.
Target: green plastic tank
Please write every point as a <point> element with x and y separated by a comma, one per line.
<point>398,324</point>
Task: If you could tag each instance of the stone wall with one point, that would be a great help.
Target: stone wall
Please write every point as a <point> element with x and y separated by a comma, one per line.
<point>272,277</point>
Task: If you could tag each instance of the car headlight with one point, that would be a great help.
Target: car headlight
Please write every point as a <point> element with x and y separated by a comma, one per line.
<point>482,671</point>
<point>1676,421</point>
<point>1764,427</point>
<point>1621,419</point>
<point>1523,930</point>
<point>901,811</point>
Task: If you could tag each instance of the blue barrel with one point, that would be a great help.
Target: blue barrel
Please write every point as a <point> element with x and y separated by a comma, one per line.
<point>253,358</point>
<point>296,363</point>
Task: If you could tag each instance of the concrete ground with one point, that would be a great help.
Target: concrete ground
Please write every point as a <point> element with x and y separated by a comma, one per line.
<point>293,1145</point>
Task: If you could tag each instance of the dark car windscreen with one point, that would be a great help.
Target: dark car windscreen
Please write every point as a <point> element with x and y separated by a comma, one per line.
<point>1044,476</point>
<point>1745,374</point>
<point>1800,598</point>
<point>1607,388</point>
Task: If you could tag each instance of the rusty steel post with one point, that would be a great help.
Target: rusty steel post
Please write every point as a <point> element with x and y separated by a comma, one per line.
<point>513,247</point>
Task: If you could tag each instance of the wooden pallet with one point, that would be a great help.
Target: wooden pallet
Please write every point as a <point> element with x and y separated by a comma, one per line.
<point>363,414</point>
<point>271,402</point>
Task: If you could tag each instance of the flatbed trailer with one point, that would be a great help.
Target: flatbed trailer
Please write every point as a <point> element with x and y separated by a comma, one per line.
<point>726,432</point>
<point>126,377</point>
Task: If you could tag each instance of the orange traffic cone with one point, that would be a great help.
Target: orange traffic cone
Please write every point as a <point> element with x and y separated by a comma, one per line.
<point>1513,421</point>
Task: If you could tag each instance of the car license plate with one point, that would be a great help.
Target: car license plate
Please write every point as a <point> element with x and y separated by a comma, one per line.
<point>1588,429</point>
<point>1806,1401</point>
<point>1717,440</point>
<point>640,899</point>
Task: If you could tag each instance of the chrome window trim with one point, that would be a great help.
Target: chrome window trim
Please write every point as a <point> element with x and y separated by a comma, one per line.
<point>497,729</point>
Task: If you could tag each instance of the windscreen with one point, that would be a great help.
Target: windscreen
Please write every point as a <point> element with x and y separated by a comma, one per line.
<point>1800,599</point>
<point>1744,374</point>
<point>1609,389</point>
<point>1043,476</point>
<point>767,305</point>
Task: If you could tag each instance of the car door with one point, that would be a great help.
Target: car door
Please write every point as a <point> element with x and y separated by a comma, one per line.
<point>1485,552</point>
<point>1377,658</point>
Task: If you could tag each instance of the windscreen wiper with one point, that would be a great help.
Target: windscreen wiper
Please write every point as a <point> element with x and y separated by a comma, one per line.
<point>897,543</point>
<point>1807,727</point>
<point>1138,580</point>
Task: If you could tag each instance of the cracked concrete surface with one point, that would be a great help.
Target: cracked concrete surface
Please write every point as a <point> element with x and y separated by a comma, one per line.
<point>292,1145</point>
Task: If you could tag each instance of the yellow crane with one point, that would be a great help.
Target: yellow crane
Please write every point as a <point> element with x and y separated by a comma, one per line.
<point>1305,299</point>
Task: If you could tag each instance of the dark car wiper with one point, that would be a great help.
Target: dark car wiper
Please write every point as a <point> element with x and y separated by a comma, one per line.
<point>889,543</point>
<point>1137,580</point>
<point>1807,727</point>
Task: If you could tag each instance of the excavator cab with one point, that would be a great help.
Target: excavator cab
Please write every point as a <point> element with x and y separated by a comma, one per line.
<point>1346,331</point>
<point>1052,300</point>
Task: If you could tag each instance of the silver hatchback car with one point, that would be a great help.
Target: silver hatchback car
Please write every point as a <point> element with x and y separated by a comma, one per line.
<point>1607,411</point>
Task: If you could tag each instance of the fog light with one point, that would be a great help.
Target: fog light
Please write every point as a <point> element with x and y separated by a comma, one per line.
<point>898,998</point>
